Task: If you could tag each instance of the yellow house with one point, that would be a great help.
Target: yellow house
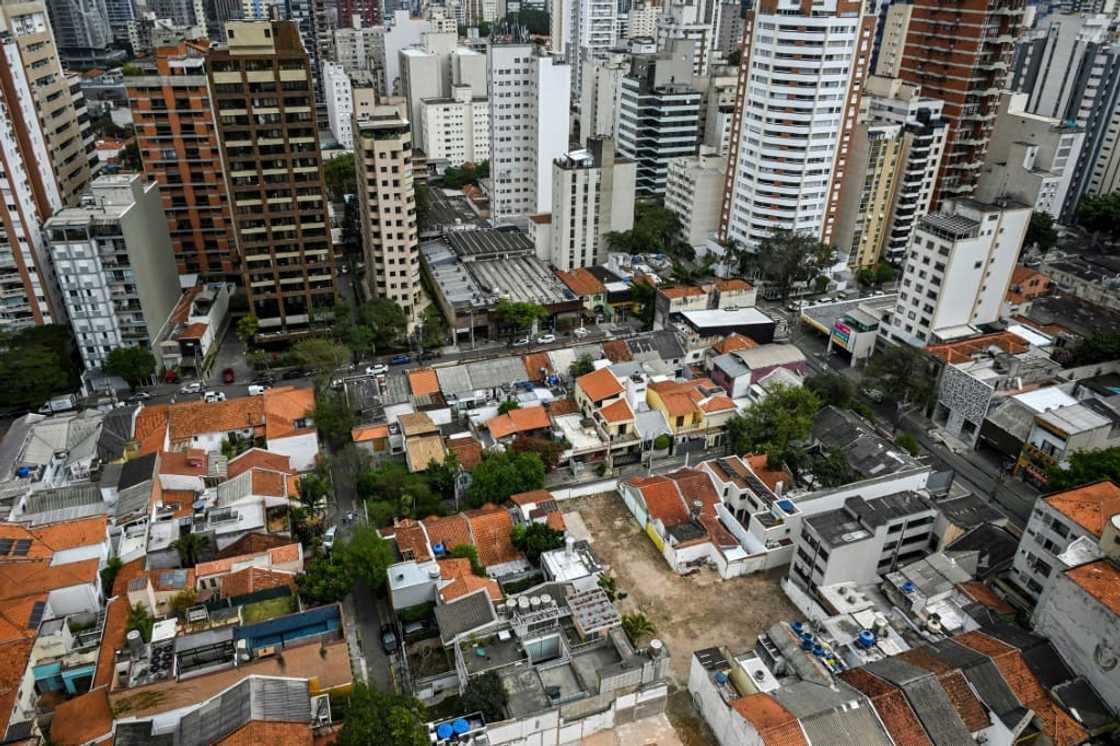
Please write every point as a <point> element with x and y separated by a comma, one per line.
<point>693,409</point>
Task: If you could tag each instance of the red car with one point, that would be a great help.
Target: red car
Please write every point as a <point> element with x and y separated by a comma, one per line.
<point>228,375</point>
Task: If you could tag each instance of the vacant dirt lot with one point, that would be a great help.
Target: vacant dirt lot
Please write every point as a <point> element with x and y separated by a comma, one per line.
<point>689,613</point>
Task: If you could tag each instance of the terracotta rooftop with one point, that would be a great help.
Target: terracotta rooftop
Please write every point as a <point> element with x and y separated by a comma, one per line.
<point>600,384</point>
<point>618,411</point>
<point>732,283</point>
<point>15,617</point>
<point>617,351</point>
<point>31,578</point>
<point>450,531</point>
<point>581,282</point>
<point>775,724</point>
<point>531,498</point>
<point>191,462</point>
<point>47,539</point>
<point>681,292</point>
<point>266,483</point>
<point>87,718</point>
<point>253,579</point>
<point>889,701</point>
<point>1101,580</point>
<point>411,540</point>
<point>112,639</point>
<point>964,350</point>
<point>129,571</point>
<point>694,484</point>
<point>717,404</point>
<point>467,450</point>
<point>985,596</point>
<point>284,554</point>
<point>194,331</point>
<point>760,465</point>
<point>253,543</point>
<point>464,581</point>
<point>558,407</point>
<point>259,457</point>
<point>662,499</point>
<point>188,419</point>
<point>555,521</point>
<point>150,428</point>
<point>522,420</point>
<point>14,657</point>
<point>491,527</point>
<point>1090,506</point>
<point>285,410</point>
<point>273,733</point>
<point>534,362</point>
<point>369,432</point>
<point>733,342</point>
<point>423,382</point>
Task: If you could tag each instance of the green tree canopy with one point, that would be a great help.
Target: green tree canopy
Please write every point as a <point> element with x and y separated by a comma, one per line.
<point>656,230</point>
<point>831,469</point>
<point>247,328</point>
<point>518,317</point>
<point>457,177</point>
<point>374,718</point>
<point>387,320</point>
<point>1041,231</point>
<point>534,539</point>
<point>141,620</point>
<point>320,354</point>
<point>776,424</point>
<point>831,388</point>
<point>644,295</point>
<point>35,364</point>
<point>485,694</point>
<point>433,329</point>
<point>1100,213</point>
<point>134,364</point>
<point>366,556</point>
<point>1099,348</point>
<point>581,366</point>
<point>410,495</point>
<point>901,373</point>
<point>313,490</point>
<point>325,580</point>
<point>500,475</point>
<point>1086,467</point>
<point>332,416</point>
<point>508,406</point>
<point>637,626</point>
<point>341,176</point>
<point>547,449</point>
<point>191,548</point>
<point>877,275</point>
<point>786,258</point>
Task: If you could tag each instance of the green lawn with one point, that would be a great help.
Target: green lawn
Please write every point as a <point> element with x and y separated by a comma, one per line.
<point>270,609</point>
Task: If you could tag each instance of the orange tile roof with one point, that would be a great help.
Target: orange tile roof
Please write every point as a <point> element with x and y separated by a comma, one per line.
<point>112,639</point>
<point>619,411</point>
<point>531,497</point>
<point>194,331</point>
<point>682,397</point>
<point>600,384</point>
<point>84,719</point>
<point>15,615</point>
<point>273,733</point>
<point>558,407</point>
<point>523,420</point>
<point>555,520</point>
<point>150,427</point>
<point>14,657</point>
<point>1090,506</point>
<point>82,532</point>
<point>662,499</point>
<point>423,382</point>
<point>581,282</point>
<point>18,531</point>
<point>31,578</point>
<point>491,527</point>
<point>759,464</point>
<point>889,701</point>
<point>454,567</point>
<point>278,555</point>
<point>1062,729</point>
<point>259,457</point>
<point>411,540</point>
<point>253,579</point>
<point>1101,580</point>
<point>694,484</point>
<point>534,362</point>
<point>733,342</point>
<point>188,419</point>
<point>450,531</point>
<point>717,404</point>
<point>681,292</point>
<point>369,432</point>
<point>467,584</point>
<point>732,283</point>
<point>617,351</point>
<point>963,350</point>
<point>189,463</point>
<point>775,724</point>
<point>253,543</point>
<point>269,483</point>
<point>467,450</point>
<point>285,554</point>
<point>283,407</point>
<point>129,571</point>
<point>985,596</point>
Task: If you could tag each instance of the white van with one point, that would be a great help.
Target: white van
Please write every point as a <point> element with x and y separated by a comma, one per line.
<point>214,396</point>
<point>257,390</point>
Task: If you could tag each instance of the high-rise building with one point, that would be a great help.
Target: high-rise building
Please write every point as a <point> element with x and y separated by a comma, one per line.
<point>730,36</point>
<point>641,21</point>
<point>339,95</point>
<point>693,188</point>
<point>178,143</point>
<point>529,127</point>
<point>120,14</point>
<point>426,73</point>
<point>874,156</point>
<point>29,189</point>
<point>404,32</point>
<point>957,271</point>
<point>560,26</point>
<point>891,39</point>
<point>218,13</point>
<point>890,101</point>
<point>115,268</point>
<point>1030,159</point>
<point>55,107</point>
<point>369,11</point>
<point>592,195</point>
<point>789,151</point>
<point>383,154</point>
<point>263,99</point>
<point>594,29</point>
<point>675,25</point>
<point>601,83</point>
<point>1050,60</point>
<point>361,50</point>
<point>456,129</point>
<point>960,52</point>
<point>82,33</point>
<point>658,114</point>
<point>717,107</point>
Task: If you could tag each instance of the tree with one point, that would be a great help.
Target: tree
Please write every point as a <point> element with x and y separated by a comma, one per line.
<point>500,475</point>
<point>109,575</point>
<point>386,319</point>
<point>1041,231</point>
<point>37,363</point>
<point>1086,467</point>
<point>776,424</point>
<point>831,469</point>
<point>1100,213</point>
<point>644,295</point>
<point>901,373</point>
<point>129,157</point>
<point>433,328</point>
<point>656,230</point>
<point>410,494</point>
<point>469,552</point>
<point>191,548</point>
<point>423,197</point>
<point>442,477</point>
<point>134,364</point>
<point>734,57</point>
<point>324,580</point>
<point>516,316</point>
<point>366,556</point>
<point>508,406</point>
<point>548,450</point>
<point>247,328</point>
<point>662,441</point>
<point>907,441</point>
<point>313,490</point>
<point>534,539</point>
<point>1099,348</point>
<point>636,626</point>
<point>786,258</point>
<point>141,620</point>
<point>468,173</point>
<point>485,694</point>
<point>374,718</point>
<point>182,601</point>
<point>831,388</point>
<point>609,585</point>
<point>333,417</point>
<point>341,176</point>
<point>320,354</point>
<point>581,366</point>
<point>877,275</point>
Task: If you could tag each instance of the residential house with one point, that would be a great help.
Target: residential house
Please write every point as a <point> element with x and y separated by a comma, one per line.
<point>696,410</point>
<point>1057,434</point>
<point>740,369</point>
<point>530,421</point>
<point>213,575</point>
<point>589,289</point>
<point>423,444</point>
<point>1027,284</point>
<point>728,294</point>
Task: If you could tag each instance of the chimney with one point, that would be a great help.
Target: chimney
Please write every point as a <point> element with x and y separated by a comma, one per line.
<point>697,509</point>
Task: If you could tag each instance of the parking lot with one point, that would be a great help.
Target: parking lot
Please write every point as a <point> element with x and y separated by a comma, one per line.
<point>688,613</point>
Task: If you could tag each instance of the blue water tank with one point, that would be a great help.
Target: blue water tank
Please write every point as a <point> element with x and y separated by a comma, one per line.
<point>866,638</point>
<point>439,550</point>
<point>721,677</point>
<point>443,731</point>
<point>907,587</point>
<point>797,627</point>
<point>23,471</point>
<point>787,506</point>
<point>806,641</point>
<point>818,650</point>
<point>460,726</point>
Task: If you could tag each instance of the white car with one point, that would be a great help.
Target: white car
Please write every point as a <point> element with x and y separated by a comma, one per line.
<point>191,388</point>
<point>580,332</point>
<point>545,339</point>
<point>523,342</point>
<point>328,538</point>
<point>257,390</point>
<point>378,369</point>
<point>214,396</point>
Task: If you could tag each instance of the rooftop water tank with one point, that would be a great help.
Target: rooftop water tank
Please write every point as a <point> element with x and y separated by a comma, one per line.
<point>866,638</point>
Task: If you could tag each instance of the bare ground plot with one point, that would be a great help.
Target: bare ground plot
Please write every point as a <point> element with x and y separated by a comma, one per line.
<point>689,613</point>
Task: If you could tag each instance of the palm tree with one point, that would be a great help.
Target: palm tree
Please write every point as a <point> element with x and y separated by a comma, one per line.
<point>190,547</point>
<point>636,626</point>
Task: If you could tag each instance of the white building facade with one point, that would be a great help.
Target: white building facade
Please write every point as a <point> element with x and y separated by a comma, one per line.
<point>339,96</point>
<point>456,129</point>
<point>592,195</point>
<point>693,190</point>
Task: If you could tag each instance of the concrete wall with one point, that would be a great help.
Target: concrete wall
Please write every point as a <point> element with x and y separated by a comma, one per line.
<point>151,255</point>
<point>302,449</point>
<point>75,599</point>
<point>729,728</point>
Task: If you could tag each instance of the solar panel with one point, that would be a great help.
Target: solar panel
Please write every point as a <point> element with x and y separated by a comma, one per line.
<point>22,547</point>
<point>36,615</point>
<point>6,546</point>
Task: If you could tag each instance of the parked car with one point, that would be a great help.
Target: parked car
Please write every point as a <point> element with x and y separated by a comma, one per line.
<point>228,376</point>
<point>214,396</point>
<point>257,389</point>
<point>377,369</point>
<point>430,354</point>
<point>545,339</point>
<point>191,388</point>
<point>523,342</point>
<point>874,395</point>
<point>389,640</point>
<point>328,538</point>
<point>399,359</point>
<point>420,630</point>
<point>140,396</point>
<point>265,380</point>
<point>581,332</point>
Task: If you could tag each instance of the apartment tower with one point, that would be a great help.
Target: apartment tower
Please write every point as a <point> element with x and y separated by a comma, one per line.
<point>383,154</point>
<point>797,104</point>
<point>179,148</point>
<point>263,99</point>
<point>960,51</point>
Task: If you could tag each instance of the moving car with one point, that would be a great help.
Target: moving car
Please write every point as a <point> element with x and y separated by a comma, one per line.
<point>214,396</point>
<point>191,388</point>
<point>389,640</point>
<point>545,339</point>
<point>580,332</point>
<point>377,369</point>
<point>399,359</point>
<point>257,389</point>
<point>523,342</point>
<point>328,538</point>
<point>140,396</point>
<point>228,376</point>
